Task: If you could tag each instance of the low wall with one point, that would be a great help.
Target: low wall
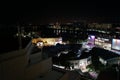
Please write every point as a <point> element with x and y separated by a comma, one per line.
<point>38,69</point>
<point>12,65</point>
<point>65,77</point>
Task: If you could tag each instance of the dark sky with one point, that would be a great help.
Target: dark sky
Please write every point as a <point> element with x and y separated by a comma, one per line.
<point>45,12</point>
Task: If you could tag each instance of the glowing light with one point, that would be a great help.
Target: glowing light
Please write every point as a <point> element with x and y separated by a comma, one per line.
<point>116,44</point>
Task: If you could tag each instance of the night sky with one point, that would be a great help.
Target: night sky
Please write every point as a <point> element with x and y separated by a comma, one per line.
<point>31,12</point>
<point>46,12</point>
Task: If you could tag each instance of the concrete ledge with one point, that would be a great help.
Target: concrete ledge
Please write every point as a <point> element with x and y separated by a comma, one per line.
<point>38,69</point>
<point>12,54</point>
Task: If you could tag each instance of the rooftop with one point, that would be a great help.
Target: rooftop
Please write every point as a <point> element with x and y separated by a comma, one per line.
<point>105,54</point>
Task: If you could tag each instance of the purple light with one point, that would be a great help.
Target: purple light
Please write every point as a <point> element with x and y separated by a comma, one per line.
<point>93,37</point>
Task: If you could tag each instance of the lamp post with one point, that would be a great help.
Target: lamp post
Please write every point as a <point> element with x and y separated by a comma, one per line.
<point>117,69</point>
<point>19,38</point>
<point>117,73</point>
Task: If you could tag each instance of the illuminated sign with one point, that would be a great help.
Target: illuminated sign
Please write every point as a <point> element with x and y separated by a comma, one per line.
<point>116,44</point>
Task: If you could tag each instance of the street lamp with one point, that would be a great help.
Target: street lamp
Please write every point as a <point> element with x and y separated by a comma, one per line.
<point>117,73</point>
<point>19,38</point>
